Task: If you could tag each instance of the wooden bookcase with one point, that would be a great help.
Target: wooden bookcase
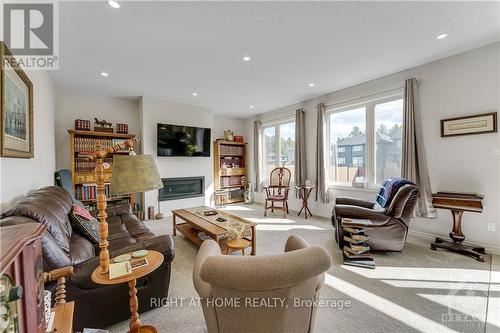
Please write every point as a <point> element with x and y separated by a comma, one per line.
<point>230,173</point>
<point>81,145</point>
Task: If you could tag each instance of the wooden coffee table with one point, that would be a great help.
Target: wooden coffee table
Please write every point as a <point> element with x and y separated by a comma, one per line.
<point>193,224</point>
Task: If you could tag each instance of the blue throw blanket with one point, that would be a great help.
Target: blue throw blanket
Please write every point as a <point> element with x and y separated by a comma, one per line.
<point>389,188</point>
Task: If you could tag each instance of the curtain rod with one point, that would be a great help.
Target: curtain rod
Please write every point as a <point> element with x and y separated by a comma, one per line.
<point>360,97</point>
<point>280,116</point>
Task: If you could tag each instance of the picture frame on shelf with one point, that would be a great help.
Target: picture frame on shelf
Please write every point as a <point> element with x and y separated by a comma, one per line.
<point>16,108</point>
<point>467,125</point>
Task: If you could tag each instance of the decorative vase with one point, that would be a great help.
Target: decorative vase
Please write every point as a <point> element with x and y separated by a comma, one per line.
<point>228,135</point>
<point>249,194</point>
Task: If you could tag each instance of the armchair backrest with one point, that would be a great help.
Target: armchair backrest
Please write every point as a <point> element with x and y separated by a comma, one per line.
<point>244,282</point>
<point>280,176</point>
<point>403,203</point>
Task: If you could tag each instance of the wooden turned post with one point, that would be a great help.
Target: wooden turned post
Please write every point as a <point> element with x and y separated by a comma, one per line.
<point>456,234</point>
<point>101,207</point>
<point>135,323</point>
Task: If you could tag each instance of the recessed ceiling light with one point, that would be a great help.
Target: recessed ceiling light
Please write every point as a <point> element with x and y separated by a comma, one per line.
<point>114,4</point>
<point>312,84</point>
<point>251,106</point>
<point>441,36</point>
<point>104,74</point>
<point>246,58</point>
<point>195,94</point>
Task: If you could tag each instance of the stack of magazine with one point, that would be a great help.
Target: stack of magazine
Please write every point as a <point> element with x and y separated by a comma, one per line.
<point>355,250</point>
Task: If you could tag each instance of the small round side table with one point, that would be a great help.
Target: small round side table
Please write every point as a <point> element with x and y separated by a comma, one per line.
<point>155,259</point>
<point>238,244</point>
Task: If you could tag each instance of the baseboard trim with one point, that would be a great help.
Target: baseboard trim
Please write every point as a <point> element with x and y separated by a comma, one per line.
<point>431,237</point>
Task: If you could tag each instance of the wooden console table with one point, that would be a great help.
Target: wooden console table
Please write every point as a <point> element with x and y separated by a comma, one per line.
<point>458,203</point>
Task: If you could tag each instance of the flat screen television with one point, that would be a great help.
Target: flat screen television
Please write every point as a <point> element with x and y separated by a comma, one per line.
<point>177,140</point>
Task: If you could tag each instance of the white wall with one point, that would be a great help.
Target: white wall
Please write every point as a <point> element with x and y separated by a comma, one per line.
<point>464,84</point>
<point>222,123</point>
<point>73,104</point>
<point>153,111</point>
<point>20,176</point>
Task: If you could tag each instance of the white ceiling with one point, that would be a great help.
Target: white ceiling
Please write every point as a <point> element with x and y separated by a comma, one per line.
<point>169,50</point>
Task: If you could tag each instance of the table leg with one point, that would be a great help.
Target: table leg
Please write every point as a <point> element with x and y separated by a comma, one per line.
<point>254,242</point>
<point>135,323</point>
<point>457,237</point>
<point>174,225</point>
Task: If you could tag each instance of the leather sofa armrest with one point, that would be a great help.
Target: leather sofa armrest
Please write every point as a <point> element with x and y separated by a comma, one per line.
<point>355,212</point>
<point>354,202</point>
<point>163,244</point>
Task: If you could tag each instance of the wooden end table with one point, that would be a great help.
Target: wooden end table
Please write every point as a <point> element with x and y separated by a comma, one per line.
<point>305,192</point>
<point>155,259</point>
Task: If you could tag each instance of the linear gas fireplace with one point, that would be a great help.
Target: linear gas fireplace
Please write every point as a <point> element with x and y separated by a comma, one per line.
<point>181,188</point>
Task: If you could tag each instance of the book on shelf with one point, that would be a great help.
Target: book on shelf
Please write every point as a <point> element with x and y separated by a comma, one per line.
<point>360,237</point>
<point>356,223</point>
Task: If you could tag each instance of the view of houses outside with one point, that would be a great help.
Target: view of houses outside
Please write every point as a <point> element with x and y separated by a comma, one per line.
<point>348,143</point>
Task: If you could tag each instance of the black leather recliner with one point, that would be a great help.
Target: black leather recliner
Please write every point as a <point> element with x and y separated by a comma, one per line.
<point>390,224</point>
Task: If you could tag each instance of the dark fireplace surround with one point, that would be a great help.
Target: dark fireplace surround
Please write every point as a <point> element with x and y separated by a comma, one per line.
<point>181,188</point>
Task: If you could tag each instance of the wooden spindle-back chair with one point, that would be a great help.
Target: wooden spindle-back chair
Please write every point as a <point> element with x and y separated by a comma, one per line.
<point>277,191</point>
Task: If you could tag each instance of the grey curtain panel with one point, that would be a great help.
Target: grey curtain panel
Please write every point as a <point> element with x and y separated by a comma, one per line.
<point>321,156</point>
<point>257,153</point>
<point>300,148</point>
<point>413,163</point>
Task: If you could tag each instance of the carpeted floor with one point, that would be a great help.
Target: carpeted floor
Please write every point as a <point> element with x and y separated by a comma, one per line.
<point>416,290</point>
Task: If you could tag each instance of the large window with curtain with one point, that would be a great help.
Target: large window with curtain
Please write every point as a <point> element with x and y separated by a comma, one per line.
<point>365,140</point>
<point>278,146</point>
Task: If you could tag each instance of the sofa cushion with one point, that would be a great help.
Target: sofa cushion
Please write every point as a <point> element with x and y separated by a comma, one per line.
<point>81,249</point>
<point>49,206</point>
<point>87,226</point>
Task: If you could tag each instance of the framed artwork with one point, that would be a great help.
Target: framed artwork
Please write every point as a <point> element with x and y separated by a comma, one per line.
<point>16,108</point>
<point>466,125</point>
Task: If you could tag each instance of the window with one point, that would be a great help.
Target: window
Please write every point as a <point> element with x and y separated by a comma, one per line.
<point>357,161</point>
<point>388,122</point>
<point>367,139</point>
<point>347,130</point>
<point>279,146</point>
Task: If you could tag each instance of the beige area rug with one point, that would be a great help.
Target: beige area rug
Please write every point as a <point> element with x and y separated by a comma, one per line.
<point>416,290</point>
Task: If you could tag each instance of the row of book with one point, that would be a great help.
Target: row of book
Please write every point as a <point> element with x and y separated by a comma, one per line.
<point>230,181</point>
<point>89,144</point>
<point>82,164</point>
<point>355,250</point>
<point>235,194</point>
<point>231,150</point>
<point>89,191</point>
<point>91,207</point>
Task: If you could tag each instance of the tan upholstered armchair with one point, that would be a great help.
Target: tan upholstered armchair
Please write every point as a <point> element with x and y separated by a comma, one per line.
<point>295,275</point>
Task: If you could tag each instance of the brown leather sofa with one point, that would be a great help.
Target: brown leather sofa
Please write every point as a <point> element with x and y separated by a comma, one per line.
<point>96,306</point>
<point>390,224</point>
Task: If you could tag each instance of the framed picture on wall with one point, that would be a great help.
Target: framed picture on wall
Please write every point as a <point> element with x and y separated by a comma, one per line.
<point>466,125</point>
<point>16,108</point>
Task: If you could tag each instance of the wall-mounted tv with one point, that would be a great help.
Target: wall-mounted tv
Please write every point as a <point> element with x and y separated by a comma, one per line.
<point>177,140</point>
